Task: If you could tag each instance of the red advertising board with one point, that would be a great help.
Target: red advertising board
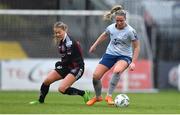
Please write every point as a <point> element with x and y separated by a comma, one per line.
<point>138,79</point>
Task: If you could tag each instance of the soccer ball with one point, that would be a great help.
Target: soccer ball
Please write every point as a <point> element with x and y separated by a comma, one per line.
<point>121,100</point>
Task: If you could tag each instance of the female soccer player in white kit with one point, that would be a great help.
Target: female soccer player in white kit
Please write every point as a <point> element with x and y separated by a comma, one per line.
<point>122,52</point>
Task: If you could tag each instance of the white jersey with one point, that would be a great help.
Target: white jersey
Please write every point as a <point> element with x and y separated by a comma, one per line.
<point>120,40</point>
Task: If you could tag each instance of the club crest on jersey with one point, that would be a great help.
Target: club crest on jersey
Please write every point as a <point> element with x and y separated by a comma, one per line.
<point>62,48</point>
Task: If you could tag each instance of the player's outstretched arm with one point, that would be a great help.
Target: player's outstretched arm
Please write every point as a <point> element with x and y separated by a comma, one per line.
<point>100,39</point>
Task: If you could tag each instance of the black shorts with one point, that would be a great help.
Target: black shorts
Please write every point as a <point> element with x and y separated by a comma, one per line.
<point>64,70</point>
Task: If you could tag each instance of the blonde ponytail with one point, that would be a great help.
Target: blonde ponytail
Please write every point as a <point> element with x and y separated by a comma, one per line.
<point>108,15</point>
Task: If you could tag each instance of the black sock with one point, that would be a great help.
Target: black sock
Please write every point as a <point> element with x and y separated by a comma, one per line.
<point>74,91</point>
<point>43,92</point>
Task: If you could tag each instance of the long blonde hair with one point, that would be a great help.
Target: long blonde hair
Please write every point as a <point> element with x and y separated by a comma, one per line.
<point>115,10</point>
<point>61,25</point>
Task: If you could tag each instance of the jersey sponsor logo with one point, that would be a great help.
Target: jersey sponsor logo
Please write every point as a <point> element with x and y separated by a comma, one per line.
<point>69,53</point>
<point>117,41</point>
<point>69,50</point>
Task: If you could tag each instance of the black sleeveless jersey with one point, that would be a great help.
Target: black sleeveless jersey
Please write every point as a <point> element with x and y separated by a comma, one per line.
<point>70,53</point>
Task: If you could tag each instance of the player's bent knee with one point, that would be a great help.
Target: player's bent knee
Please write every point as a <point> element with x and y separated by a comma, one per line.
<point>62,90</point>
<point>47,82</point>
<point>117,71</point>
<point>96,76</point>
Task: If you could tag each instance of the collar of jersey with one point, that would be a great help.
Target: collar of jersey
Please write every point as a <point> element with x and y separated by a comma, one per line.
<point>65,35</point>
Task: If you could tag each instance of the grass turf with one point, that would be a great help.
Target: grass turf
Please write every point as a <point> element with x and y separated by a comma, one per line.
<point>16,102</point>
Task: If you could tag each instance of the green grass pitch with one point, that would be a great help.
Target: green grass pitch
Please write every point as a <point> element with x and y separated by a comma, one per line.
<point>16,102</point>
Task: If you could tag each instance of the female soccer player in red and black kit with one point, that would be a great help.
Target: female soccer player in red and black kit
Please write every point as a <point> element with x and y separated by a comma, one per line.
<point>69,69</point>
